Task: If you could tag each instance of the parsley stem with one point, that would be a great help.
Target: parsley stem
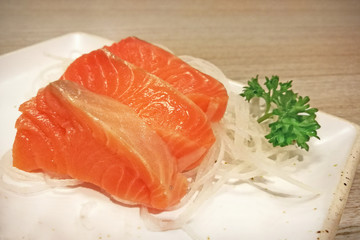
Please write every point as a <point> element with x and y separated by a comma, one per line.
<point>268,105</point>
<point>264,117</point>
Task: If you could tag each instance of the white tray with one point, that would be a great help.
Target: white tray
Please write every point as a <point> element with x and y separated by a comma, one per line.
<point>241,212</point>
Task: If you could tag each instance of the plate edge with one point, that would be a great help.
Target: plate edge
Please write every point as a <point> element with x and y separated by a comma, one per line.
<point>67,35</point>
<point>338,203</point>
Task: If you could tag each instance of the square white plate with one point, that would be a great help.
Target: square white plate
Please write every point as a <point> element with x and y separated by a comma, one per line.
<point>236,212</point>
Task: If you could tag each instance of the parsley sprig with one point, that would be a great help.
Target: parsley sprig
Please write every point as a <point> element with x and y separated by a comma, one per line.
<point>293,121</point>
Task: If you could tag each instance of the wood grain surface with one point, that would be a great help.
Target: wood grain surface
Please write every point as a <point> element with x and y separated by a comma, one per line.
<point>314,43</point>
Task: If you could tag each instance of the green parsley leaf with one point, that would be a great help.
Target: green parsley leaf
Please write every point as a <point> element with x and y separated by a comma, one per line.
<point>293,120</point>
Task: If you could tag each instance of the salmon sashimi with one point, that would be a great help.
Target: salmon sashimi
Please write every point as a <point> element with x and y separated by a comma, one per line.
<point>208,93</point>
<point>176,119</point>
<point>69,131</point>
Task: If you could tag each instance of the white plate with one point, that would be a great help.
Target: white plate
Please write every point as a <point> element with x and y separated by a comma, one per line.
<point>241,212</point>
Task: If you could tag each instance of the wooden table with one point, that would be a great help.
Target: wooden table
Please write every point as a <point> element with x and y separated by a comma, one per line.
<point>314,43</point>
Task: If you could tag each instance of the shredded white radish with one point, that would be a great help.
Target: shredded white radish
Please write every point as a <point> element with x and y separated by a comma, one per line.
<point>240,155</point>
<point>54,71</point>
<point>26,183</point>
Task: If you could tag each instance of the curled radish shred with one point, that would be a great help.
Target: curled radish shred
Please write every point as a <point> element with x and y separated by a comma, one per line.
<point>26,183</point>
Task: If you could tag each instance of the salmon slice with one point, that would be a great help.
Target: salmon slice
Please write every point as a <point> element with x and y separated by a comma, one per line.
<point>176,119</point>
<point>208,93</point>
<point>67,130</point>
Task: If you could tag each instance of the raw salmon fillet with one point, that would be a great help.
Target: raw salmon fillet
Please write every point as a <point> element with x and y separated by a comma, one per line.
<point>175,118</point>
<point>208,93</point>
<point>69,131</point>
